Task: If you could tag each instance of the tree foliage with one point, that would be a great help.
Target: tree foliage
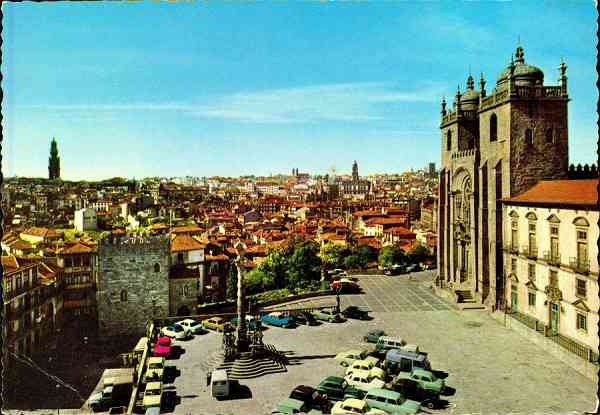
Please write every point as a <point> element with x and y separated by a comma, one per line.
<point>333,255</point>
<point>276,266</point>
<point>419,254</point>
<point>304,265</point>
<point>391,255</point>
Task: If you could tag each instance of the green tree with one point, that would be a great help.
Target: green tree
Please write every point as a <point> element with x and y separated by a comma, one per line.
<point>391,255</point>
<point>333,255</point>
<point>353,261</point>
<point>364,254</point>
<point>419,254</point>
<point>304,265</point>
<point>254,281</point>
<point>276,266</point>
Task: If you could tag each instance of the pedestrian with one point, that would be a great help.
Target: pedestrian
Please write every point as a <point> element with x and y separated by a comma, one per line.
<point>208,375</point>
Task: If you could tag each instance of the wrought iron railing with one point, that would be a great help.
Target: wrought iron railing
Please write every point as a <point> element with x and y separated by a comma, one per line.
<point>529,251</point>
<point>579,264</point>
<point>552,259</point>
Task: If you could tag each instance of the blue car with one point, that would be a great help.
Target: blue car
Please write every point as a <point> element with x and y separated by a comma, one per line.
<point>278,319</point>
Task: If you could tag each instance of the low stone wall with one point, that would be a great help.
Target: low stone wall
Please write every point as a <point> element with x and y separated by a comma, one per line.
<point>587,369</point>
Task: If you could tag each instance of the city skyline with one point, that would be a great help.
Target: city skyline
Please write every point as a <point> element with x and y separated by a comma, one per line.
<point>306,85</point>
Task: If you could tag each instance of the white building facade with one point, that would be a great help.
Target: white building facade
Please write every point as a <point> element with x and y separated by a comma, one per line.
<point>551,258</point>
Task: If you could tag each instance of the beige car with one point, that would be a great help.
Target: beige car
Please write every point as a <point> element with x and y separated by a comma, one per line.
<point>347,358</point>
<point>362,379</point>
<point>154,369</point>
<point>368,366</point>
<point>354,406</point>
<point>152,395</point>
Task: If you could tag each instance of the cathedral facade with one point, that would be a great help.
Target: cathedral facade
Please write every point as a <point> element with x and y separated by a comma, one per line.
<point>495,145</point>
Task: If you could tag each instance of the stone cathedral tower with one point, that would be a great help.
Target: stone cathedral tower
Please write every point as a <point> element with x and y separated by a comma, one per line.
<point>494,145</point>
<point>54,161</point>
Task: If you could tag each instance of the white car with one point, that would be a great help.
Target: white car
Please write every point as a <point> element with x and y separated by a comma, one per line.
<point>192,325</point>
<point>367,366</point>
<point>362,379</point>
<point>176,331</point>
<point>354,406</point>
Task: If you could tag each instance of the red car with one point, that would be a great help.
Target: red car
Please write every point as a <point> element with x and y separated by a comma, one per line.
<point>162,348</point>
<point>345,285</point>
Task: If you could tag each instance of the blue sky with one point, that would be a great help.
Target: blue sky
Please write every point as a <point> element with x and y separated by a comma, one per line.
<point>231,87</point>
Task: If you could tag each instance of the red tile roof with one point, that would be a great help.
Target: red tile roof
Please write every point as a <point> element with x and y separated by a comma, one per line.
<point>184,242</point>
<point>566,192</point>
<point>401,231</point>
<point>9,263</point>
<point>76,248</point>
<point>42,232</point>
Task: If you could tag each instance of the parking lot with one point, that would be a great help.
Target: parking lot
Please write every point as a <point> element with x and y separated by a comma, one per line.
<point>491,368</point>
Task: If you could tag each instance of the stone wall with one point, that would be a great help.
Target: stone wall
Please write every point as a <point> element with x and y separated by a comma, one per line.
<point>542,160</point>
<point>133,283</point>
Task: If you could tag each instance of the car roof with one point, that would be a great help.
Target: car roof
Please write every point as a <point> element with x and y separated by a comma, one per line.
<point>291,403</point>
<point>153,385</point>
<point>163,338</point>
<point>356,403</point>
<point>422,371</point>
<point>304,389</point>
<point>361,373</point>
<point>391,339</point>
<point>385,393</point>
<point>403,353</point>
<point>189,320</point>
<point>155,359</point>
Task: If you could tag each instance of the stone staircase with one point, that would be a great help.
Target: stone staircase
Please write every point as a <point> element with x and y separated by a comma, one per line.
<point>248,367</point>
<point>465,300</point>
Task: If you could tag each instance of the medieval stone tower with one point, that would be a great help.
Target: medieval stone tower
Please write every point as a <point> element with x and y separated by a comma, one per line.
<point>133,284</point>
<point>494,145</point>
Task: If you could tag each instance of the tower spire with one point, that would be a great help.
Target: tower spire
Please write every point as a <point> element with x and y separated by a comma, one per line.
<point>53,161</point>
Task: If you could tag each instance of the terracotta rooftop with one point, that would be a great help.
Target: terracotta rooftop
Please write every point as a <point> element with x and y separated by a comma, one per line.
<point>42,232</point>
<point>184,242</point>
<point>566,192</point>
<point>9,263</point>
<point>186,229</point>
<point>76,248</point>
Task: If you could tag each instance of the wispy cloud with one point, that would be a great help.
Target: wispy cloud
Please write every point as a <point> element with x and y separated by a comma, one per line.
<point>351,102</point>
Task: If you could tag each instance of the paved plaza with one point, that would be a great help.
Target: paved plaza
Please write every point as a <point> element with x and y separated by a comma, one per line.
<point>491,368</point>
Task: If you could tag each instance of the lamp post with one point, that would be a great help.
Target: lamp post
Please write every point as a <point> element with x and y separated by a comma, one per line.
<point>242,338</point>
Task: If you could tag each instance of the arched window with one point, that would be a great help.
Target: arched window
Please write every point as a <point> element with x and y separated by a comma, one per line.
<point>528,137</point>
<point>493,127</point>
<point>549,135</point>
<point>123,295</point>
<point>449,140</point>
<point>157,267</point>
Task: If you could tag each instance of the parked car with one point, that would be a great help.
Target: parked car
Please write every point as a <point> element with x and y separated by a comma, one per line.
<point>336,388</point>
<point>397,360</point>
<point>366,365</point>
<point>251,322</point>
<point>385,343</point>
<point>194,326</point>
<point>357,312</point>
<point>154,369</point>
<point>115,392</point>
<point>413,268</point>
<point>426,380</point>
<point>373,335</point>
<point>117,410</point>
<point>362,379</point>
<point>354,406</point>
<point>278,319</point>
<point>395,270</point>
<point>411,389</point>
<point>218,324</point>
<point>220,384</point>
<point>328,314</point>
<point>176,331</point>
<point>152,395</point>
<point>311,397</point>
<point>391,402</point>
<point>305,317</point>
<point>290,406</point>
<point>348,357</point>
<point>345,285</point>
<point>162,348</point>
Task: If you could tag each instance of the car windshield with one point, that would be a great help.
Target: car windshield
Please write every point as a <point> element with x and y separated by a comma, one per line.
<point>152,392</point>
<point>163,344</point>
<point>176,328</point>
<point>363,355</point>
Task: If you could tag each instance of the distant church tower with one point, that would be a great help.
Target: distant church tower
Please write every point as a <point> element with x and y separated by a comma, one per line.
<point>355,171</point>
<point>53,161</point>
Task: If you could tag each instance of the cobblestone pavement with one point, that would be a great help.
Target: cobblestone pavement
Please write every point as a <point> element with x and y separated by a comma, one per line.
<point>492,369</point>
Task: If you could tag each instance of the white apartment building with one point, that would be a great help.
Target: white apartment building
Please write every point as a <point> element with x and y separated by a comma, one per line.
<point>551,257</point>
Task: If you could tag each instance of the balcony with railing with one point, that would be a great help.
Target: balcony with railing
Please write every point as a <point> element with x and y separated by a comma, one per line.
<point>580,265</point>
<point>529,251</point>
<point>512,249</point>
<point>552,258</point>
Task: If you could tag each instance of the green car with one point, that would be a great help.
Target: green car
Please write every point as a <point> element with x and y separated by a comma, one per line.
<point>426,380</point>
<point>391,402</point>
<point>290,406</point>
<point>373,335</point>
<point>337,389</point>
